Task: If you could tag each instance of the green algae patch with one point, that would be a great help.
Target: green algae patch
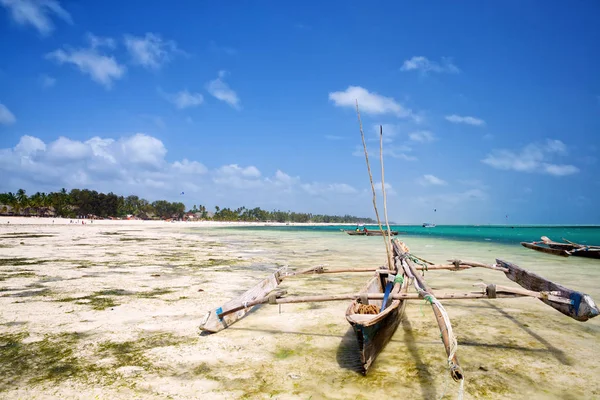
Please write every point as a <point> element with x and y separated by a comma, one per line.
<point>153,293</point>
<point>283,352</point>
<point>136,239</point>
<point>132,352</point>
<point>25,236</point>
<point>24,274</point>
<point>212,262</point>
<point>95,301</point>
<point>103,299</point>
<point>51,359</point>
<point>20,261</point>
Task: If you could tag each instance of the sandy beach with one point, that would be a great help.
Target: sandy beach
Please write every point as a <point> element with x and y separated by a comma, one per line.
<point>111,309</point>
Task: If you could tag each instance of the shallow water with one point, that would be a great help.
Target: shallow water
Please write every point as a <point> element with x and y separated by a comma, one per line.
<point>583,234</point>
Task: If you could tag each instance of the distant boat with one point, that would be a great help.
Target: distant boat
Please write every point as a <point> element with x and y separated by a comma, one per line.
<point>428,225</point>
<point>563,249</point>
<point>368,232</point>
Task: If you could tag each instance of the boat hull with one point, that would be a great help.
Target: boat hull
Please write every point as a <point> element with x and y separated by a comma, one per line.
<point>213,323</point>
<point>372,339</point>
<point>547,250</point>
<point>378,233</point>
<point>563,249</point>
<point>356,233</point>
<point>576,251</point>
<point>374,331</point>
<point>371,233</point>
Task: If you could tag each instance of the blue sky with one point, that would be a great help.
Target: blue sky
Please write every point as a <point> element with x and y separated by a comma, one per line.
<point>487,111</point>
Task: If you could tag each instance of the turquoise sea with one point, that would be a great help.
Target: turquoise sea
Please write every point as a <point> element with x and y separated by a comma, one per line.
<point>505,234</point>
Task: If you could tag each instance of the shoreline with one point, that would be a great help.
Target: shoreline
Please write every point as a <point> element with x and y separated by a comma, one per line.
<point>20,220</point>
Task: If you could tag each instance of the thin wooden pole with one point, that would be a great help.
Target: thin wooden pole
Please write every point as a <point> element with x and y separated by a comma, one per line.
<point>434,267</point>
<point>371,296</point>
<point>385,214</point>
<point>442,320</point>
<point>362,135</point>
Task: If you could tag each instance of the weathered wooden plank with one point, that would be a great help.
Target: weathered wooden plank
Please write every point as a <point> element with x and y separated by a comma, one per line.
<point>213,322</point>
<point>581,307</point>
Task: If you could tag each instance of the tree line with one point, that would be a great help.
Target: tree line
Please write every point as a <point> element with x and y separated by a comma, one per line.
<point>84,203</point>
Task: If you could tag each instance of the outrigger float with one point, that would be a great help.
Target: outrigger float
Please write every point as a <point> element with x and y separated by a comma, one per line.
<point>376,311</point>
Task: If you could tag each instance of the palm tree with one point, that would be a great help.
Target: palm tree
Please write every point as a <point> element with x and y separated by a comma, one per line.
<point>18,201</point>
<point>35,202</point>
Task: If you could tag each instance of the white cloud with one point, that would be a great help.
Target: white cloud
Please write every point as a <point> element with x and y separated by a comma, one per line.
<point>237,177</point>
<point>428,180</point>
<point>37,13</point>
<point>29,145</point>
<point>143,149</point>
<point>532,158</point>
<point>421,136</point>
<point>137,164</point>
<point>282,177</point>
<point>6,117</point>
<point>369,102</point>
<point>102,68</point>
<point>99,41</point>
<point>457,119</point>
<point>47,81</point>
<point>423,64</point>
<point>65,149</point>
<point>221,90</point>
<point>389,190</point>
<point>555,146</point>
<point>185,99</point>
<point>236,170</point>
<point>150,51</point>
<point>559,170</point>
<point>190,167</point>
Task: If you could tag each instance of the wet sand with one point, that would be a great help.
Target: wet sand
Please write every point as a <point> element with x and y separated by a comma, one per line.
<point>112,311</point>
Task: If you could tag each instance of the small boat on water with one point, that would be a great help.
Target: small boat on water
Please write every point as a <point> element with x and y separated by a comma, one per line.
<point>566,249</point>
<point>368,232</point>
<point>428,225</point>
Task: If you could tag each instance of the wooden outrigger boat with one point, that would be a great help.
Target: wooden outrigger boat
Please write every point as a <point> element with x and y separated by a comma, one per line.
<point>369,232</point>
<point>563,249</point>
<point>376,311</point>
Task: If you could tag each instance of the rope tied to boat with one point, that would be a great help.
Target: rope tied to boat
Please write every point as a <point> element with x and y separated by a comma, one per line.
<point>418,260</point>
<point>366,309</point>
<point>399,279</point>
